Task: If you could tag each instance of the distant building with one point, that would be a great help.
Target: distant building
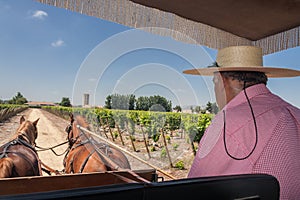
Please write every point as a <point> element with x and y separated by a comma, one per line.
<point>38,104</point>
<point>86,99</point>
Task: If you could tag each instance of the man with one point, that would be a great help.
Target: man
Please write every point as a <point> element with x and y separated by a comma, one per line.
<point>255,130</point>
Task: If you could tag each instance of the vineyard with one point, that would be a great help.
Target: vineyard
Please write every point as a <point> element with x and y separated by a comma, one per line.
<point>157,135</point>
<point>9,110</point>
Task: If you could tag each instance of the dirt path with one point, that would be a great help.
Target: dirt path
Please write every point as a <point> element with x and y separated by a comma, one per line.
<point>50,133</point>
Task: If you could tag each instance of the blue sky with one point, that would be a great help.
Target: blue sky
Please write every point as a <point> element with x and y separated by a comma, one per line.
<point>47,53</point>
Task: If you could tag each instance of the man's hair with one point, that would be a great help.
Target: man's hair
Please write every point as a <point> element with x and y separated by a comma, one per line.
<point>248,78</point>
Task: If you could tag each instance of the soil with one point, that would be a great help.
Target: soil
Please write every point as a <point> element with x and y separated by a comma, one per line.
<point>51,133</point>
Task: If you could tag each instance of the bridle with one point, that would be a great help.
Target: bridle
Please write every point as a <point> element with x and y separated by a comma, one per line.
<point>70,138</point>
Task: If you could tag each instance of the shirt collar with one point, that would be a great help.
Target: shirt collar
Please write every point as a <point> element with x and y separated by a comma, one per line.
<point>251,91</point>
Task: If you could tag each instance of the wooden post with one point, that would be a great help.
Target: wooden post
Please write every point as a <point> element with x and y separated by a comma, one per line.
<point>120,134</point>
<point>162,132</point>
<point>103,125</point>
<point>193,148</point>
<point>111,134</point>
<point>132,143</point>
<point>145,141</point>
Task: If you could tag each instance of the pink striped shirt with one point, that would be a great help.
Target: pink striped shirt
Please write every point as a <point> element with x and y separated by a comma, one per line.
<point>278,148</point>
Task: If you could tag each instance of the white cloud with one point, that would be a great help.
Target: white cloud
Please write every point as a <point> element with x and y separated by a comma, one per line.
<point>58,43</point>
<point>92,79</point>
<point>39,14</point>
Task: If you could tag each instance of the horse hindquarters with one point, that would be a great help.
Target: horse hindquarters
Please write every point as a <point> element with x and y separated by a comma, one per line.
<point>26,162</point>
<point>6,167</point>
<point>81,160</point>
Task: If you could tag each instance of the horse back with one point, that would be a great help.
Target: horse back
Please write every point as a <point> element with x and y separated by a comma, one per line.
<point>115,155</point>
<point>25,161</point>
<point>82,159</point>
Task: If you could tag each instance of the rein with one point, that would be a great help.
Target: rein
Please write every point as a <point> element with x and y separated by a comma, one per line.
<point>51,148</point>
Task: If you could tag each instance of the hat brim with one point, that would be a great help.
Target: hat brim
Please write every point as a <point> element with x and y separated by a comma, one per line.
<point>272,72</point>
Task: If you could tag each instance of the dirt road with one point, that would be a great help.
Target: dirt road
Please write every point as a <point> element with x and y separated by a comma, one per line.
<point>50,133</point>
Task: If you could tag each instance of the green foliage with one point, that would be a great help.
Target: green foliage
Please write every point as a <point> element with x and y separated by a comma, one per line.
<point>65,102</point>
<point>155,136</point>
<point>19,99</point>
<point>152,148</point>
<point>115,134</point>
<point>121,102</point>
<point>173,121</point>
<point>197,109</point>
<point>168,138</point>
<point>209,107</point>
<point>108,102</point>
<point>215,108</point>
<point>158,102</point>
<point>129,102</point>
<point>179,165</point>
<point>203,123</point>
<point>143,103</point>
<point>193,124</point>
<point>175,146</point>
<point>212,108</point>
<point>163,153</point>
<point>177,108</point>
<point>9,110</point>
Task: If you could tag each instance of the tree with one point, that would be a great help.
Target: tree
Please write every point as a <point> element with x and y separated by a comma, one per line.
<point>177,108</point>
<point>192,109</point>
<point>118,101</point>
<point>18,99</point>
<point>215,108</point>
<point>197,109</point>
<point>161,101</point>
<point>143,103</point>
<point>65,102</point>
<point>131,102</point>
<point>212,107</point>
<point>209,107</point>
<point>108,102</point>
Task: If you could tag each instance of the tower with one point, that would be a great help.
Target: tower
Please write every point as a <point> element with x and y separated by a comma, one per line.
<point>86,98</point>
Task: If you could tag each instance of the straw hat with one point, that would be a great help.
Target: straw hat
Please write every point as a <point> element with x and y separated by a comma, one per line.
<point>242,58</point>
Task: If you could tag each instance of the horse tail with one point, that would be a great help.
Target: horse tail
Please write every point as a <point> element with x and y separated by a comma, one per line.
<point>6,167</point>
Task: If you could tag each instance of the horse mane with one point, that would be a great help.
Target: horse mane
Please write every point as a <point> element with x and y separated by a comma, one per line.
<point>82,122</point>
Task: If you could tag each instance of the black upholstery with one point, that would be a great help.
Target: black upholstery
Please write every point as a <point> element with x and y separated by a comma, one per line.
<point>248,186</point>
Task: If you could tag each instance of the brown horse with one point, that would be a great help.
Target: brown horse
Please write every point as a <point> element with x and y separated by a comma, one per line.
<point>18,157</point>
<point>87,155</point>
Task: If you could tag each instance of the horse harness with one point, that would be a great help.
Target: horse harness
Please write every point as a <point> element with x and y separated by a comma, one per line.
<point>20,140</point>
<point>91,141</point>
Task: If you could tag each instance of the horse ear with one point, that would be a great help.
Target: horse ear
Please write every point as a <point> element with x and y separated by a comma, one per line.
<point>71,117</point>
<point>22,119</point>
<point>35,122</point>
